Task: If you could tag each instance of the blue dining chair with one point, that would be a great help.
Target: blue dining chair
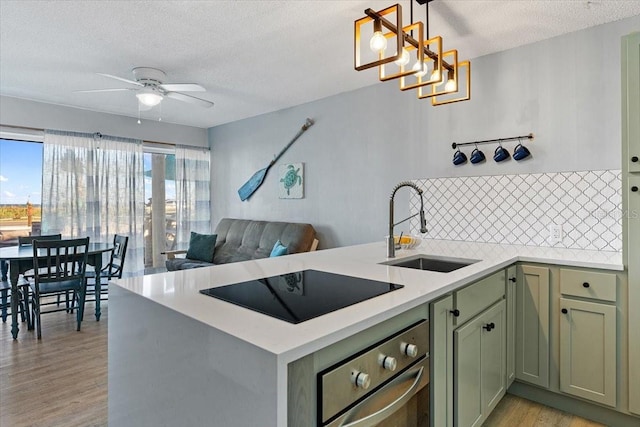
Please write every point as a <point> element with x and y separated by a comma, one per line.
<point>59,266</point>
<point>23,284</point>
<point>113,270</point>
<point>5,299</point>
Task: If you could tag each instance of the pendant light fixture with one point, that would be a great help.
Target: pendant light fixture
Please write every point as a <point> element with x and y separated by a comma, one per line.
<point>406,53</point>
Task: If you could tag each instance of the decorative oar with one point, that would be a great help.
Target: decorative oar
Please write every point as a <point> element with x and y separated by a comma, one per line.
<point>255,181</point>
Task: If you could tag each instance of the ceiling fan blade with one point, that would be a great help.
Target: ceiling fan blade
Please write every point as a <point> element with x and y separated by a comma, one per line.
<point>121,79</point>
<point>191,99</point>
<point>183,87</point>
<point>101,90</point>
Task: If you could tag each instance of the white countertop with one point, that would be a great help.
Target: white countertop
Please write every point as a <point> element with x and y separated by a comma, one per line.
<point>179,290</point>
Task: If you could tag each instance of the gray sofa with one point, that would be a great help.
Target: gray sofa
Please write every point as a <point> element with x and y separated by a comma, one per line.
<point>242,240</point>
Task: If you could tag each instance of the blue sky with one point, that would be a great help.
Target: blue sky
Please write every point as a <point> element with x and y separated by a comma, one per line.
<point>20,172</point>
<point>170,185</point>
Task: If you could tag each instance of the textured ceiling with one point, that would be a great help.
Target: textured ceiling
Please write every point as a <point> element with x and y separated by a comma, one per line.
<point>252,57</point>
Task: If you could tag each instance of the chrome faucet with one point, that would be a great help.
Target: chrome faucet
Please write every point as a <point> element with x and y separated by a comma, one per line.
<point>391,246</point>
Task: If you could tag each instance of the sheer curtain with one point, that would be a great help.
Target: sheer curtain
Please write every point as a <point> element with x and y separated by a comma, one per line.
<point>93,186</point>
<point>193,196</point>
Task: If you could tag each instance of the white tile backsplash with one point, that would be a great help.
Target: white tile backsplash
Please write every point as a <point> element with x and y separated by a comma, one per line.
<point>520,208</point>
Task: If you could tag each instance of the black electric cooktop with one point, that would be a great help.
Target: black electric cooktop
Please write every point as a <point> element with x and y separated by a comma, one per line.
<point>303,295</point>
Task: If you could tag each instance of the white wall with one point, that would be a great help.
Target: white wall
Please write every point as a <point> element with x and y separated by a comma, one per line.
<point>22,112</point>
<point>565,90</point>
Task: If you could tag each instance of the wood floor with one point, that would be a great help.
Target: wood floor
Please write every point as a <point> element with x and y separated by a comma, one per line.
<point>61,380</point>
<point>515,411</point>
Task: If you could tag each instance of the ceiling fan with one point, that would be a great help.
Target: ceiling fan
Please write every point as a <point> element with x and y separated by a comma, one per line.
<point>151,90</point>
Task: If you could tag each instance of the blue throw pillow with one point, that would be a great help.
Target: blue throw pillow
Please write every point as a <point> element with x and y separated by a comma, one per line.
<point>201,246</point>
<point>279,249</point>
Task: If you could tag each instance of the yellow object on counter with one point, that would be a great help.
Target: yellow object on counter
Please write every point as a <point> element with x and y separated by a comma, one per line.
<point>407,242</point>
<point>403,239</point>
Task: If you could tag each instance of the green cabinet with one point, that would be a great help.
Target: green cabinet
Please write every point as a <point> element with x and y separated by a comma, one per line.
<point>588,350</point>
<point>633,234</point>
<point>532,325</point>
<point>573,349</point>
<point>479,366</point>
<point>441,359</point>
<point>633,265</point>
<point>510,297</point>
<point>631,101</point>
<point>588,343</point>
<point>630,58</point>
<point>468,357</point>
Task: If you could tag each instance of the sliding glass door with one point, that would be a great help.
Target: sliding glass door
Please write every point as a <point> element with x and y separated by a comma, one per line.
<point>160,206</point>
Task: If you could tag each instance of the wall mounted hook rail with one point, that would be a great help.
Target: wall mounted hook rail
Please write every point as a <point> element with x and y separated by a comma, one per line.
<point>487,141</point>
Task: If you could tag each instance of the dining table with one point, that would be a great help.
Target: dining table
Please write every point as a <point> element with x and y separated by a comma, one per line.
<point>20,260</point>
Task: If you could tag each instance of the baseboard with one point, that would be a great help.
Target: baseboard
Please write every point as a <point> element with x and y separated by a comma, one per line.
<point>577,407</point>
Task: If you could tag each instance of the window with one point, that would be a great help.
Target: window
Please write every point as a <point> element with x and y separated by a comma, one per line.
<point>20,189</point>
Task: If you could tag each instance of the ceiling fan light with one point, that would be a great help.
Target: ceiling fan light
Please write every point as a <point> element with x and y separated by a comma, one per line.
<point>149,97</point>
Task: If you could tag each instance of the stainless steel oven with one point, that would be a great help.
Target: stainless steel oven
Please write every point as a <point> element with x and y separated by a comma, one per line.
<point>382,385</point>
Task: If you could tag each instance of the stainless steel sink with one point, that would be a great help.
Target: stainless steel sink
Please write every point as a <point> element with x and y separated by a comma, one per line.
<point>431,263</point>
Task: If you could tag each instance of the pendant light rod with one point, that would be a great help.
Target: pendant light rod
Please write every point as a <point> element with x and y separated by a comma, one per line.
<point>392,27</point>
<point>487,141</point>
<point>411,10</point>
<point>426,8</point>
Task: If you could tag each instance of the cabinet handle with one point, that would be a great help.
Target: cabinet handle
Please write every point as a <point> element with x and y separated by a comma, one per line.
<point>634,188</point>
<point>489,326</point>
<point>512,279</point>
<point>564,311</point>
<point>634,159</point>
<point>455,312</point>
<point>585,284</point>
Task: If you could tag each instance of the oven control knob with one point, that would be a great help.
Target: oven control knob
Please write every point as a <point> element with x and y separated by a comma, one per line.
<point>387,362</point>
<point>410,350</point>
<point>360,379</point>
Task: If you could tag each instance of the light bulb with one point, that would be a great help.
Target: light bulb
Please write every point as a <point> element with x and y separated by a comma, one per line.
<point>435,76</point>
<point>378,42</point>
<point>404,58</point>
<point>451,86</point>
<point>416,68</point>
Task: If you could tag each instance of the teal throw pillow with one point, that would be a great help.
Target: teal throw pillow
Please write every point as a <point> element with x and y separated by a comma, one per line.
<point>201,246</point>
<point>279,249</point>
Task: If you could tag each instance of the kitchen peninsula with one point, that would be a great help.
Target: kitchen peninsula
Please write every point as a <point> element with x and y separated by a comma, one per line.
<point>177,357</point>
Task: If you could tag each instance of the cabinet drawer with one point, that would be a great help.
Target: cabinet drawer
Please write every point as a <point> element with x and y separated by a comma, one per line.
<point>475,298</point>
<point>588,284</point>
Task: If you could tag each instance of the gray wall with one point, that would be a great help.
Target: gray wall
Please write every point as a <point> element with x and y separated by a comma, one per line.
<point>22,112</point>
<point>565,90</point>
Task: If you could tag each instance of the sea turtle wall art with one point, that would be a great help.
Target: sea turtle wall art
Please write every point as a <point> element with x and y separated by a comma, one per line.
<point>291,181</point>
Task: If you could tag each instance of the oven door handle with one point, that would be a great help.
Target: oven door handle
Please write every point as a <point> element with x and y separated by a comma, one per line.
<point>382,414</point>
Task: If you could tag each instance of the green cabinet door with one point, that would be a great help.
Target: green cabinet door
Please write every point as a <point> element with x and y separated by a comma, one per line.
<point>532,325</point>
<point>510,293</point>
<point>468,374</point>
<point>630,58</point>
<point>631,102</point>
<point>441,359</point>
<point>588,350</point>
<point>493,357</point>
<point>479,366</point>
<point>633,265</point>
